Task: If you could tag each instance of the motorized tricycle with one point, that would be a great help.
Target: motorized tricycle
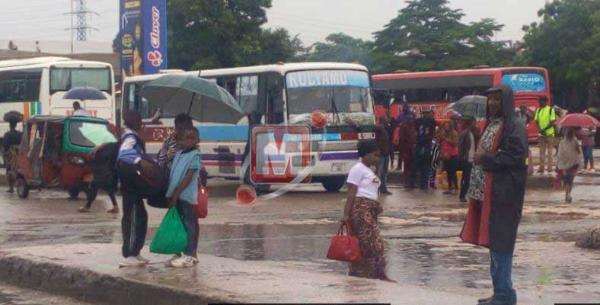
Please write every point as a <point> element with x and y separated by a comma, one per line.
<point>54,152</point>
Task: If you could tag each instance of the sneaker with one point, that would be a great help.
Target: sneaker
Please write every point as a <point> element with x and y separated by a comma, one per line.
<point>142,259</point>
<point>83,209</point>
<point>184,262</point>
<point>131,262</point>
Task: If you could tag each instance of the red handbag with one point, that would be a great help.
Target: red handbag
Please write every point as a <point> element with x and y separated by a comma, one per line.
<point>344,247</point>
<point>202,204</point>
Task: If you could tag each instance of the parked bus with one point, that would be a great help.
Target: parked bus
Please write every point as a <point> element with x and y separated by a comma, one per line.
<point>36,86</point>
<point>437,89</point>
<point>284,94</point>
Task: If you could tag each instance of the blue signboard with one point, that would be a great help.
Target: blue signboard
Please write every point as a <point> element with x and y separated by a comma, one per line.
<point>525,82</point>
<point>327,78</point>
<point>143,35</point>
<point>154,35</point>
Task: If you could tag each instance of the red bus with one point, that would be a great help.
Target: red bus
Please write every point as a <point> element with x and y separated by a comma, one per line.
<point>437,89</point>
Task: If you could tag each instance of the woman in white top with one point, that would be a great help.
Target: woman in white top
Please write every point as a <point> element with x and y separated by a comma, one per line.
<point>361,211</point>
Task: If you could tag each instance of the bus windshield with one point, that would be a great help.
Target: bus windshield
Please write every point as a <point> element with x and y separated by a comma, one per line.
<point>531,81</point>
<point>63,79</point>
<point>89,134</point>
<point>331,91</point>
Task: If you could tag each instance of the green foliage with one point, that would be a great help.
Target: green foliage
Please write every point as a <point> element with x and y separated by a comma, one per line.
<point>210,34</point>
<point>429,35</point>
<point>339,47</point>
<point>567,42</point>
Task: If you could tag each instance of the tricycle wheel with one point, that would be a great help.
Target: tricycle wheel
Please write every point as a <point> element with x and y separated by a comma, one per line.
<point>22,187</point>
<point>74,193</point>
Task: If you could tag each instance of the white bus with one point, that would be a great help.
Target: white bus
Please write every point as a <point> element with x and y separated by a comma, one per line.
<point>277,94</point>
<point>36,86</point>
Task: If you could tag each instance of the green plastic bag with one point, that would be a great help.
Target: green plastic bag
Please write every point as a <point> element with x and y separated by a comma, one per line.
<point>171,236</point>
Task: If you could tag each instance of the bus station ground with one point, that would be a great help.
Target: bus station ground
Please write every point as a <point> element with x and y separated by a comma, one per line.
<point>274,251</point>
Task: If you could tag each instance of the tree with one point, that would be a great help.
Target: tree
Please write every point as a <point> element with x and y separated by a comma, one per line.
<point>429,35</point>
<point>567,42</point>
<point>209,34</point>
<point>339,47</point>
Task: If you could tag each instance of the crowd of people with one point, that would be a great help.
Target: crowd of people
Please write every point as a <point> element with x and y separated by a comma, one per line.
<point>427,152</point>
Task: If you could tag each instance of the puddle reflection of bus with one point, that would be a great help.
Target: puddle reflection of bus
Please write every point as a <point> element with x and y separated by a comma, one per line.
<point>437,89</point>
<point>280,94</point>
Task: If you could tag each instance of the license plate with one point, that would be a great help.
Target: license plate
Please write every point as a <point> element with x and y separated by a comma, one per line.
<point>338,167</point>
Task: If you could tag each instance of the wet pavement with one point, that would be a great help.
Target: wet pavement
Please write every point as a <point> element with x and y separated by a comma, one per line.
<point>12,295</point>
<point>420,229</point>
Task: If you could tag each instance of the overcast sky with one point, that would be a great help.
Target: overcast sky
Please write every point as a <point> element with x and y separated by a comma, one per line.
<point>312,19</point>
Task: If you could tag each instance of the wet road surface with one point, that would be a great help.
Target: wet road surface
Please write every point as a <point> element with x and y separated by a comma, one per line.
<point>420,230</point>
<point>11,295</point>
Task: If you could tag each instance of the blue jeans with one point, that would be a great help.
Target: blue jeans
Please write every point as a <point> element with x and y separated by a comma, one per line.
<point>501,272</point>
<point>190,222</point>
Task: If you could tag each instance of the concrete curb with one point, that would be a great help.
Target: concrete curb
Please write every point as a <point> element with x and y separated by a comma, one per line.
<point>90,286</point>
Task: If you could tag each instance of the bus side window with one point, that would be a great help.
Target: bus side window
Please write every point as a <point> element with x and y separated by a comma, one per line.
<point>248,92</point>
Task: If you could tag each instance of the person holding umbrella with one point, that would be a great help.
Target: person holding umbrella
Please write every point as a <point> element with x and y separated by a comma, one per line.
<point>10,144</point>
<point>78,110</point>
<point>569,157</point>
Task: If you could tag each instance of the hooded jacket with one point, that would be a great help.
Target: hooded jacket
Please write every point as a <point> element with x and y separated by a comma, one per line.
<point>494,222</point>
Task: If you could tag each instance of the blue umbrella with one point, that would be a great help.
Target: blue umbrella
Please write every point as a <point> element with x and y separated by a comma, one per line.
<point>84,93</point>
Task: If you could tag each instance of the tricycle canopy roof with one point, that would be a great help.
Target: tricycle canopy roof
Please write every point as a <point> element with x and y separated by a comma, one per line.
<point>62,119</point>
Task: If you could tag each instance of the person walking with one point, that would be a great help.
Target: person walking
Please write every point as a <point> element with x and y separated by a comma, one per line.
<point>134,222</point>
<point>467,142</point>
<point>449,145</point>
<point>568,159</point>
<point>183,193</point>
<point>10,144</point>
<point>545,116</point>
<point>383,143</point>
<point>79,111</point>
<point>362,210</point>
<point>497,191</point>
<point>425,130</point>
<point>586,135</point>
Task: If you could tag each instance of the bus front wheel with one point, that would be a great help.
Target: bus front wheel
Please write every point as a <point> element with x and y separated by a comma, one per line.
<point>333,184</point>
<point>22,187</point>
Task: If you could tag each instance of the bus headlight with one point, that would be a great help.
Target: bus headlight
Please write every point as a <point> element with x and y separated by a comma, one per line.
<point>76,160</point>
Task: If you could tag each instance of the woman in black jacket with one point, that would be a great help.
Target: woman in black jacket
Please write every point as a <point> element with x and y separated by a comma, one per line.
<point>497,192</point>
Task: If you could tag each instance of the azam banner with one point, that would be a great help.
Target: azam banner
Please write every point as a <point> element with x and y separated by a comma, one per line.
<point>143,28</point>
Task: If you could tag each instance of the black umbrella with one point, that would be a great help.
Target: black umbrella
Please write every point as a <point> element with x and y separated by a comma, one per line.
<point>13,116</point>
<point>470,105</point>
<point>84,93</point>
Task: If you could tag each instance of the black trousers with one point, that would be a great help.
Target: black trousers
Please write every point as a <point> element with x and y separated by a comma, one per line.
<point>134,223</point>
<point>466,178</point>
<point>452,165</point>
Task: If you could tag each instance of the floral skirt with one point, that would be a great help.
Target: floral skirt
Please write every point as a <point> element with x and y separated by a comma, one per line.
<point>364,225</point>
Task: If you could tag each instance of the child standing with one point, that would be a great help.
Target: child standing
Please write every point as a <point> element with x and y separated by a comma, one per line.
<point>183,193</point>
<point>569,157</point>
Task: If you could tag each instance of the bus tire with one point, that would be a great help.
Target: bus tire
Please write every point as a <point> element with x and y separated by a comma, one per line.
<point>334,184</point>
<point>22,187</point>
